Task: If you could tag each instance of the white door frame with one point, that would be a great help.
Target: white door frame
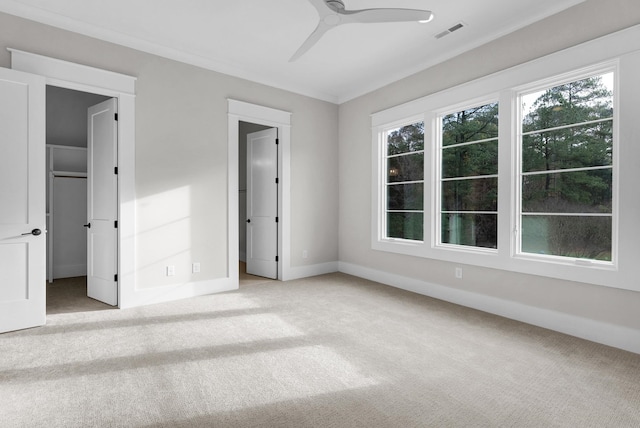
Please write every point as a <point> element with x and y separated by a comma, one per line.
<point>78,77</point>
<point>247,112</point>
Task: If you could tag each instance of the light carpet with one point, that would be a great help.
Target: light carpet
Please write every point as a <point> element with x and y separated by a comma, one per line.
<point>329,351</point>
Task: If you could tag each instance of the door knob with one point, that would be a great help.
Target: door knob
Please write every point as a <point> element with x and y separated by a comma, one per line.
<point>34,232</point>
<point>248,220</point>
<point>88,225</point>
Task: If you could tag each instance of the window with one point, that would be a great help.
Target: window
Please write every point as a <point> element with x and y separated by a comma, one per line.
<point>566,169</point>
<point>404,183</point>
<point>469,177</point>
<point>533,169</point>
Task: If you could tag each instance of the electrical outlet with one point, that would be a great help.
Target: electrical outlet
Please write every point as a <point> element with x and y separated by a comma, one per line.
<point>171,270</point>
<point>459,272</point>
<point>195,268</point>
<point>305,254</point>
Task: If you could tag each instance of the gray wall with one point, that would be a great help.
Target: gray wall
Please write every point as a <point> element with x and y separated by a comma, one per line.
<point>581,23</point>
<point>67,116</point>
<point>181,154</point>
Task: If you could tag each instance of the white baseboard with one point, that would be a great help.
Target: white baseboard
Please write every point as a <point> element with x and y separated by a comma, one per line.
<point>149,296</point>
<point>596,331</point>
<point>69,271</point>
<point>309,270</point>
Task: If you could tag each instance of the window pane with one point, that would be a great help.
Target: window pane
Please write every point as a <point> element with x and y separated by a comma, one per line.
<point>471,160</point>
<point>406,139</point>
<point>575,102</point>
<point>480,194</point>
<point>405,196</point>
<point>405,168</point>
<point>575,147</point>
<point>405,225</point>
<point>568,192</point>
<point>478,230</point>
<point>405,163</point>
<point>568,236</point>
<point>478,123</point>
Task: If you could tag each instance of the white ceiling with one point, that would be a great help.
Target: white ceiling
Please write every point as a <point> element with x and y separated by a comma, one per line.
<point>254,39</point>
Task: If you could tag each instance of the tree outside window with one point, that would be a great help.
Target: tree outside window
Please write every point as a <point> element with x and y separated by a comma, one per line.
<point>567,169</point>
<point>405,182</point>
<point>469,177</point>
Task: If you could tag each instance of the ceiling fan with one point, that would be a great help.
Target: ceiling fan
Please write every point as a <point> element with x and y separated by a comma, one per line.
<point>333,13</point>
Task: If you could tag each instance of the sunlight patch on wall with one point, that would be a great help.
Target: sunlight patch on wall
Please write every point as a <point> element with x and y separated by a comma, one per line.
<point>164,238</point>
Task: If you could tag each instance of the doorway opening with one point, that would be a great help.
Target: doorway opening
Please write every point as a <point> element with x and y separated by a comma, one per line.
<point>257,202</point>
<point>67,155</point>
<point>280,120</point>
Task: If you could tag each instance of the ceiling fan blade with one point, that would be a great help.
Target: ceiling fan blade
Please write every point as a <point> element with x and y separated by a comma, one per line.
<point>311,40</point>
<point>387,15</point>
<point>321,7</point>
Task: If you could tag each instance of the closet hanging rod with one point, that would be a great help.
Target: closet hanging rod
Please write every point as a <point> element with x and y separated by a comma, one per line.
<point>68,174</point>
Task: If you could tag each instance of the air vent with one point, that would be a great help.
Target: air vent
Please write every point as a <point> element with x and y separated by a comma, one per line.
<point>450,30</point>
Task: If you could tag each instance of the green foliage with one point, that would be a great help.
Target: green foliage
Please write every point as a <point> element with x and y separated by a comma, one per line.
<point>575,146</point>
<point>409,138</point>
<point>477,230</point>
<point>474,124</point>
<point>566,127</point>
<point>568,236</point>
<point>405,146</point>
<point>466,153</point>
<point>406,167</point>
<point>405,197</point>
<point>405,225</point>
<point>559,137</point>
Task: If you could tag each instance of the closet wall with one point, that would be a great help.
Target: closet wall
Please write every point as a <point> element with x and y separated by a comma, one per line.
<point>67,181</point>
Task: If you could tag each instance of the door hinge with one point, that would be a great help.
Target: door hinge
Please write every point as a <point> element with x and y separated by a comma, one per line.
<point>115,170</point>
<point>276,258</point>
<point>276,180</point>
<point>277,219</point>
<point>115,277</point>
<point>277,141</point>
<point>115,224</point>
<point>116,116</point>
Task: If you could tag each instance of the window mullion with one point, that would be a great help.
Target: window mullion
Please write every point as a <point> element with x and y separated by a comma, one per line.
<point>572,125</point>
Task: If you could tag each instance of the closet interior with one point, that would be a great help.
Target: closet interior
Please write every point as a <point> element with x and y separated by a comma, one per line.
<point>66,174</point>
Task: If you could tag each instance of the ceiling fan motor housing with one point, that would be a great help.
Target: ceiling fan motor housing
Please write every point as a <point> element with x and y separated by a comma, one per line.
<point>335,5</point>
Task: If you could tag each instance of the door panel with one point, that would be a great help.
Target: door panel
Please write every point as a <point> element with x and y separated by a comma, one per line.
<point>14,171</point>
<point>22,200</point>
<point>14,255</point>
<point>102,198</point>
<point>262,203</point>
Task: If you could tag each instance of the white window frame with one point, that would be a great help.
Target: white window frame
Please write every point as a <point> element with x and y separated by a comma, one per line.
<point>437,191</point>
<point>382,186</point>
<point>599,69</point>
<point>619,52</point>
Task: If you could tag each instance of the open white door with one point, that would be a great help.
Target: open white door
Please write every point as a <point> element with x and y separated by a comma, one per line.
<point>22,201</point>
<point>102,196</point>
<point>262,203</point>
